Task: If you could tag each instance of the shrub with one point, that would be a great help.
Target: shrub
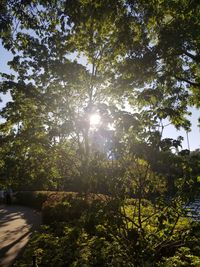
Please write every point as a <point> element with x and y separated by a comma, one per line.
<point>74,248</point>
<point>89,230</point>
<point>36,199</point>
<point>32,199</point>
<point>70,207</point>
<point>183,257</point>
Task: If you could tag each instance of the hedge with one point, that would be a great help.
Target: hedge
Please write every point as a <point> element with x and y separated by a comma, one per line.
<point>57,206</point>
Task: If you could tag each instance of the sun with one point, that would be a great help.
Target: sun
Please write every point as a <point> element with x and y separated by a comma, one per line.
<point>95,119</point>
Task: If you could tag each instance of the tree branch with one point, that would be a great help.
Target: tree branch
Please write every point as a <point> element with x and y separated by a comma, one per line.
<point>188,81</point>
<point>193,57</point>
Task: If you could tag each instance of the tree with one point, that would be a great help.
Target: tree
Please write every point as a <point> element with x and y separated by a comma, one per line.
<point>53,95</point>
<point>130,60</point>
<point>135,75</point>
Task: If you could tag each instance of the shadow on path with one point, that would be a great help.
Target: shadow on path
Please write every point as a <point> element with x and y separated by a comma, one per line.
<point>16,225</point>
<point>5,249</point>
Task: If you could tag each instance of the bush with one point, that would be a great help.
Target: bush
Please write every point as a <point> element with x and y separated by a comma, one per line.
<point>70,207</point>
<point>74,248</point>
<point>32,199</point>
<point>36,199</point>
<point>182,258</point>
<point>89,230</point>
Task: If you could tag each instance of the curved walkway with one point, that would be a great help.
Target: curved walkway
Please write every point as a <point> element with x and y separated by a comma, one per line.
<point>16,225</point>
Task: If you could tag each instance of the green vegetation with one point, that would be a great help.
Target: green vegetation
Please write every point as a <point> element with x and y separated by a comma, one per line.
<point>135,64</point>
<point>95,230</point>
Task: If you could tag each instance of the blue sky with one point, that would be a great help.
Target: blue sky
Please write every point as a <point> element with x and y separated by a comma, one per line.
<point>169,131</point>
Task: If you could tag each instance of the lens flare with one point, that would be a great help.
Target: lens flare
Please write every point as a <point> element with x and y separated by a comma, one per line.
<point>95,119</point>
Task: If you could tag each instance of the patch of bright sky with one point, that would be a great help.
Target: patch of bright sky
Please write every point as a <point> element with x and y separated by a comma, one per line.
<point>169,131</point>
<point>193,136</point>
<point>5,56</point>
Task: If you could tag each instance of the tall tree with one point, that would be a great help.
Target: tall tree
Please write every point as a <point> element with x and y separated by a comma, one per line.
<point>131,59</point>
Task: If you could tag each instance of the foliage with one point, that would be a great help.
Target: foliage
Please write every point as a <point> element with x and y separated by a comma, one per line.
<point>102,235</point>
<point>33,199</point>
<point>182,257</point>
<point>128,57</point>
<point>70,207</point>
<point>136,64</point>
<point>81,250</point>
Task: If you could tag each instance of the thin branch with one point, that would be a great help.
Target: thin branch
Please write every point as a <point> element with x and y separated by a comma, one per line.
<point>130,220</point>
<point>193,57</point>
<point>188,81</point>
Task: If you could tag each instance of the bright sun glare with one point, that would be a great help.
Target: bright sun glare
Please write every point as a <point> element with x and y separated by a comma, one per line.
<point>95,119</point>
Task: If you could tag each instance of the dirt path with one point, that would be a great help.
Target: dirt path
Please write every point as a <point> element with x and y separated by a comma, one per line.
<point>16,225</point>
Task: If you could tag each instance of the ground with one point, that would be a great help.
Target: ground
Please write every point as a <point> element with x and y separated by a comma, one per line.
<point>16,225</point>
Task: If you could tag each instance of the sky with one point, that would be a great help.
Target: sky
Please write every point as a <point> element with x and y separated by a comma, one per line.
<point>169,131</point>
